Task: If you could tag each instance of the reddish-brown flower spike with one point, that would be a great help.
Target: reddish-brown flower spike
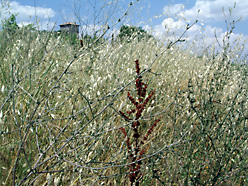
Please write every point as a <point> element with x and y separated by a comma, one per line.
<point>140,103</point>
<point>139,88</point>
<point>123,115</point>
<point>155,123</point>
<point>142,152</point>
<point>136,135</point>
<point>135,130</point>
<point>81,42</point>
<point>140,163</point>
<point>152,127</point>
<point>139,106</point>
<point>140,110</point>
<point>123,131</point>
<point>137,169</point>
<point>136,124</point>
<point>149,97</point>
<point>132,177</point>
<point>137,82</point>
<point>145,138</point>
<point>149,131</point>
<point>143,94</point>
<point>131,111</point>
<point>137,67</point>
<point>132,99</point>
<point>142,142</point>
<point>129,145</point>
<point>138,114</point>
<point>137,150</point>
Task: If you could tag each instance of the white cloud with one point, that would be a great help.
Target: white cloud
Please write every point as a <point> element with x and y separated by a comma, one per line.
<point>91,29</point>
<point>46,25</point>
<point>173,9</point>
<point>171,28</point>
<point>205,33</point>
<point>158,31</point>
<point>24,23</point>
<point>25,12</point>
<point>170,24</point>
<point>29,14</point>
<point>43,25</point>
<point>212,10</point>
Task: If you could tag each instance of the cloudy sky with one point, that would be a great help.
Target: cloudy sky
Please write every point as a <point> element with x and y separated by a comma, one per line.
<point>159,17</point>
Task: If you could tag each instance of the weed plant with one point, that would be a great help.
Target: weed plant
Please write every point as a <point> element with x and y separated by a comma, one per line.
<point>136,141</point>
<point>62,119</point>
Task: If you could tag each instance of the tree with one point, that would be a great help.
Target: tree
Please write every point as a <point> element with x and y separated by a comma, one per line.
<point>10,24</point>
<point>131,32</point>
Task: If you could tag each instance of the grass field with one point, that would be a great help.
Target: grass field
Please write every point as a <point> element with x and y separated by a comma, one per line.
<point>60,119</point>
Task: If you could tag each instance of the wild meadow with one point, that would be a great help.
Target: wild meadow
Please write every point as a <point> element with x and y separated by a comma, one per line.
<point>120,113</point>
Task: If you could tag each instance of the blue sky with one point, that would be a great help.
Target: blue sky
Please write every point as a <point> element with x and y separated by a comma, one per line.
<point>156,16</point>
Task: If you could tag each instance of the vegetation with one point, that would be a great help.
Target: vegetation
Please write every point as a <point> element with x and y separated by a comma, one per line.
<point>84,116</point>
<point>10,25</point>
<point>128,33</point>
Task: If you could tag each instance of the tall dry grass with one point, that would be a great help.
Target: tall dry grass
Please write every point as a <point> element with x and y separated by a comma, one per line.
<point>60,121</point>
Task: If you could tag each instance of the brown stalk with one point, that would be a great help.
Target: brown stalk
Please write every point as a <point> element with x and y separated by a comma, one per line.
<point>140,104</point>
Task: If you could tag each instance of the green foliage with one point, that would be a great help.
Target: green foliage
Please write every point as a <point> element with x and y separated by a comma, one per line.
<point>89,39</point>
<point>71,38</point>
<point>12,32</point>
<point>29,27</point>
<point>10,25</point>
<point>127,33</point>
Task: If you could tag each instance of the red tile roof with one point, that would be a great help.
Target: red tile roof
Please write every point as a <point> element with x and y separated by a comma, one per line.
<point>69,23</point>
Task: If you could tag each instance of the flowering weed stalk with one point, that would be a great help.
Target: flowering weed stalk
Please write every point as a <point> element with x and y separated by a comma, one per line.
<point>136,141</point>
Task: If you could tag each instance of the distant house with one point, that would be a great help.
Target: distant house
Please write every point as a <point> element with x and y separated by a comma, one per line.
<point>70,27</point>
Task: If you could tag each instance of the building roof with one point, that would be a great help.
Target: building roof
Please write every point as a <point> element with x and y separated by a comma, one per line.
<point>69,23</point>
